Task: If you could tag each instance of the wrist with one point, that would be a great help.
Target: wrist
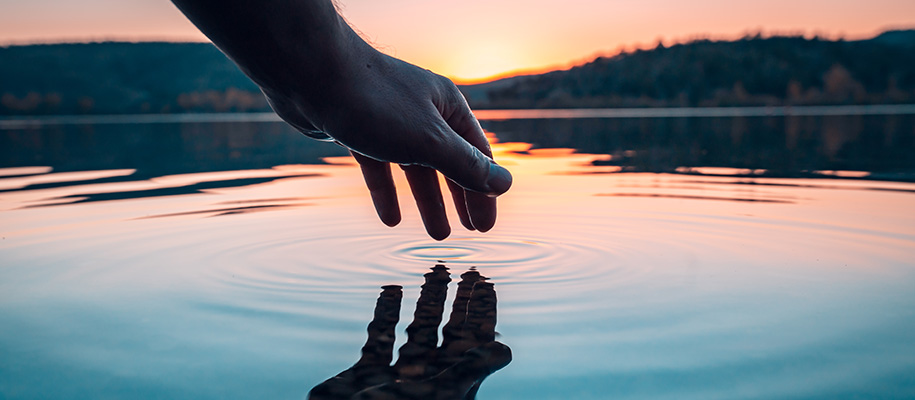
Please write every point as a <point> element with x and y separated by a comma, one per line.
<point>272,41</point>
<point>323,82</point>
<point>298,56</point>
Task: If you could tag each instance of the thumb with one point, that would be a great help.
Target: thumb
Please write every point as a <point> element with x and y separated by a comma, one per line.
<point>467,166</point>
<point>475,365</point>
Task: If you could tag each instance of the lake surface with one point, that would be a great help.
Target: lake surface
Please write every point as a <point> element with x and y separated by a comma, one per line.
<point>636,257</point>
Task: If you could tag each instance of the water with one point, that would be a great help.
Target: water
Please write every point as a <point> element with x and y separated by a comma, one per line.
<point>239,260</point>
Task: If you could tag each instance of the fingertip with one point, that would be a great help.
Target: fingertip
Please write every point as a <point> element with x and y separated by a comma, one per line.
<point>482,210</point>
<point>390,217</point>
<point>387,207</point>
<point>439,233</point>
<point>499,180</point>
<point>391,289</point>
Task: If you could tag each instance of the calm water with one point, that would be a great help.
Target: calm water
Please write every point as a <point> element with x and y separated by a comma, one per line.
<point>635,258</point>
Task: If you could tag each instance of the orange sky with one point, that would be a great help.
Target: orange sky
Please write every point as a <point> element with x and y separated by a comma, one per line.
<point>474,39</point>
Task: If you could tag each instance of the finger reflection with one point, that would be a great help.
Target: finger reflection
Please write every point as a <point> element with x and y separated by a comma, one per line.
<point>454,370</point>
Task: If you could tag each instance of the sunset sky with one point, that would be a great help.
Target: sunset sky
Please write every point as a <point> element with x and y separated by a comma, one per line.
<point>476,39</point>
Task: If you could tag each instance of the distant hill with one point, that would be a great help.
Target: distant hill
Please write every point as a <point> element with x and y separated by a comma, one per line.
<point>897,37</point>
<point>113,78</point>
<point>106,78</point>
<point>750,71</point>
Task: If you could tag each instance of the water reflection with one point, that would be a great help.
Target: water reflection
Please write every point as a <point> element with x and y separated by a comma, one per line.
<point>424,369</point>
<point>825,145</point>
<point>154,150</point>
<point>692,197</point>
<point>194,188</point>
<point>775,146</point>
<point>218,212</point>
<point>801,185</point>
<point>618,285</point>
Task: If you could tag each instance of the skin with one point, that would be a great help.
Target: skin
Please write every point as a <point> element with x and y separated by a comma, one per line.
<point>322,78</point>
<point>453,370</point>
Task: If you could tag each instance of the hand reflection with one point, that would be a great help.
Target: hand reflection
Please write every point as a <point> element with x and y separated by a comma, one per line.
<point>454,370</point>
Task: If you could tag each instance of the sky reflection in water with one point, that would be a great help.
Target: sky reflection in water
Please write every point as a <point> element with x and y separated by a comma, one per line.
<point>216,271</point>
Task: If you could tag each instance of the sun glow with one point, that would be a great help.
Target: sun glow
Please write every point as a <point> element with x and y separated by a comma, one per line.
<point>475,61</point>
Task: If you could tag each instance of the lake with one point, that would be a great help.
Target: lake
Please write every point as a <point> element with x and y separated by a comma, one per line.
<point>745,255</point>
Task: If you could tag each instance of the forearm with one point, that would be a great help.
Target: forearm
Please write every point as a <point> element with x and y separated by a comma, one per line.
<point>285,46</point>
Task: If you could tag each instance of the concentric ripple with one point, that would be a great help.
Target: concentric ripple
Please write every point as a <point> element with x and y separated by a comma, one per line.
<point>476,251</point>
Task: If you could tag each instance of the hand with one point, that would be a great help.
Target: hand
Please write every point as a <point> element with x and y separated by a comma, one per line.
<point>386,110</point>
<point>455,370</point>
<point>323,79</point>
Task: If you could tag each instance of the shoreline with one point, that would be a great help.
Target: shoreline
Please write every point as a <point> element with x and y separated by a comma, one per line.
<point>20,122</point>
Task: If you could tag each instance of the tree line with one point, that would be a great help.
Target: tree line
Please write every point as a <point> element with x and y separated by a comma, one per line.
<point>752,71</point>
<point>157,77</point>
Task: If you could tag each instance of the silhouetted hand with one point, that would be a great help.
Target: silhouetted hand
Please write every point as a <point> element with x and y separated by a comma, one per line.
<point>388,111</point>
<point>325,80</point>
<point>454,370</point>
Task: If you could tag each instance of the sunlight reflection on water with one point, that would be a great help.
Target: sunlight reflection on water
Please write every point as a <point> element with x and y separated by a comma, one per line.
<point>258,283</point>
